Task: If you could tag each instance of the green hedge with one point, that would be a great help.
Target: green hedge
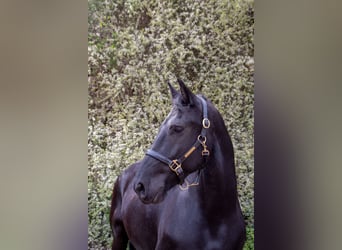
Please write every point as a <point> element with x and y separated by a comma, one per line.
<point>134,48</point>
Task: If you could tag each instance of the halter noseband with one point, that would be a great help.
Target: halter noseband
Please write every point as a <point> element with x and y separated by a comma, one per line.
<point>176,164</point>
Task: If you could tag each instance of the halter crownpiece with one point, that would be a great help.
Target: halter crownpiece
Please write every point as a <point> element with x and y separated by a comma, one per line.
<point>176,164</point>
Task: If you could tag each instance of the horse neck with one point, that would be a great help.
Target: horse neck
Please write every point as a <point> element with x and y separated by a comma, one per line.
<point>218,177</point>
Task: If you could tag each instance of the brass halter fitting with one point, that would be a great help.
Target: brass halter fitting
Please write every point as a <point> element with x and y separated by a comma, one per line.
<point>176,167</point>
<point>202,140</point>
<point>205,123</point>
<point>205,151</point>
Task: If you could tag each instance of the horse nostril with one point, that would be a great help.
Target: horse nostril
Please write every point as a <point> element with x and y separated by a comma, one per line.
<point>139,188</point>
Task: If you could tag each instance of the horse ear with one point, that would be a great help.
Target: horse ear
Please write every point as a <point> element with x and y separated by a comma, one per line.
<point>174,92</point>
<point>187,96</point>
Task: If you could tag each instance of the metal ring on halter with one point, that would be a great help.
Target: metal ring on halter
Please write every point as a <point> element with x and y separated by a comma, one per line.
<point>202,139</point>
<point>206,123</point>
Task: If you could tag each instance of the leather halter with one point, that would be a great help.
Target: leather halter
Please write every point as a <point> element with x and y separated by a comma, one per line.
<point>176,164</point>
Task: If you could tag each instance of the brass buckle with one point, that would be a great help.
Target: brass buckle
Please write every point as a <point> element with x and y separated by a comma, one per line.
<point>176,167</point>
<point>206,123</point>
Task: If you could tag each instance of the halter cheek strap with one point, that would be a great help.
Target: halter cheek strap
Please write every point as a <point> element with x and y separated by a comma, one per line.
<point>176,164</point>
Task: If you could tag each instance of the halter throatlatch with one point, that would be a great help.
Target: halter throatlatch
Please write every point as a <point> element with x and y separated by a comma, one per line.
<point>176,164</point>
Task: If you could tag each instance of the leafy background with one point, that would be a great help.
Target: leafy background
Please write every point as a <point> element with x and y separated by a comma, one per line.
<point>134,48</point>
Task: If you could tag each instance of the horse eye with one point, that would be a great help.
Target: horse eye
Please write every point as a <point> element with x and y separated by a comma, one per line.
<point>176,128</point>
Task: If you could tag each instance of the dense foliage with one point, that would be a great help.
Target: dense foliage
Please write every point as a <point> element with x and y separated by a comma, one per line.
<point>134,48</point>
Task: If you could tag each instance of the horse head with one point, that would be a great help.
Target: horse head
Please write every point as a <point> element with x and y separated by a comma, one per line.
<point>180,148</point>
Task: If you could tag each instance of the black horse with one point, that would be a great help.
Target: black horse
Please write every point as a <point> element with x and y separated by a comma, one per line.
<point>182,194</point>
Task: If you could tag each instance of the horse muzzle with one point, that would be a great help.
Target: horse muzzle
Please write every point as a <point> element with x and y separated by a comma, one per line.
<point>146,197</point>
